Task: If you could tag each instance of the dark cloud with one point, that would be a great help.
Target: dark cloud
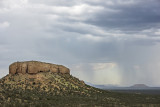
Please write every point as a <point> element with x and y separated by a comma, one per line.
<point>137,16</point>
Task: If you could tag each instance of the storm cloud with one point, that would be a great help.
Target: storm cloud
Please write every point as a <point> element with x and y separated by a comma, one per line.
<point>102,42</point>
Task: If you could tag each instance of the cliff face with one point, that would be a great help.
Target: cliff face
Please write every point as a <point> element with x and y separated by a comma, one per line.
<point>34,67</point>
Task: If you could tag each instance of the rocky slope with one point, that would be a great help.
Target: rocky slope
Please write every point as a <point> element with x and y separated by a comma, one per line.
<point>57,83</point>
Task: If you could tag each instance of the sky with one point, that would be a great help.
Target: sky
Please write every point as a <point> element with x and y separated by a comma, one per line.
<point>101,41</point>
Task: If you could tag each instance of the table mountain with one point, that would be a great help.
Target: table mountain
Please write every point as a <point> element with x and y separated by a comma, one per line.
<point>34,67</point>
<point>40,76</point>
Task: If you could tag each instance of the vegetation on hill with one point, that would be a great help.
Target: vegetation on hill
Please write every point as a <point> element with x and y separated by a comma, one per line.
<point>56,89</point>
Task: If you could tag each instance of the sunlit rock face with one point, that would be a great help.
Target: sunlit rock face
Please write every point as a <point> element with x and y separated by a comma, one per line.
<point>34,67</point>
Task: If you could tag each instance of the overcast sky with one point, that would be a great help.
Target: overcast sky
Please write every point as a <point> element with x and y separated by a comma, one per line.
<point>101,41</point>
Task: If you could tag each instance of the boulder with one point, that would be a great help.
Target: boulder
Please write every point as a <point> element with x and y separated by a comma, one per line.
<point>34,67</point>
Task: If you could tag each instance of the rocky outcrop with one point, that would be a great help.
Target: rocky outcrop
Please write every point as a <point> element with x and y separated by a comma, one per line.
<point>34,67</point>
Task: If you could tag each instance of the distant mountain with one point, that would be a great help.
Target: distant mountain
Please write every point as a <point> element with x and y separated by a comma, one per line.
<point>106,86</point>
<point>115,87</point>
<point>109,86</point>
<point>139,86</point>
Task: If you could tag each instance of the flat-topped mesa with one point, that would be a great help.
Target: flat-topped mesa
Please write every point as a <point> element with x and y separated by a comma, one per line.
<point>34,67</point>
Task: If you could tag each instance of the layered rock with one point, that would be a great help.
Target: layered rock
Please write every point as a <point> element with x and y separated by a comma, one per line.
<point>34,67</point>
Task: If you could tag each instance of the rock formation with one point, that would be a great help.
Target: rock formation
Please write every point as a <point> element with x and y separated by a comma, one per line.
<point>34,67</point>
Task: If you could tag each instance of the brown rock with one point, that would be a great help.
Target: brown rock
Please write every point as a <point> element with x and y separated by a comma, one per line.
<point>34,67</point>
<point>24,68</point>
<point>13,68</point>
<point>63,69</point>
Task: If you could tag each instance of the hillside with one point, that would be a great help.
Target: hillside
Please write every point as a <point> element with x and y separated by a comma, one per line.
<point>56,88</point>
<point>47,88</point>
<point>47,82</point>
